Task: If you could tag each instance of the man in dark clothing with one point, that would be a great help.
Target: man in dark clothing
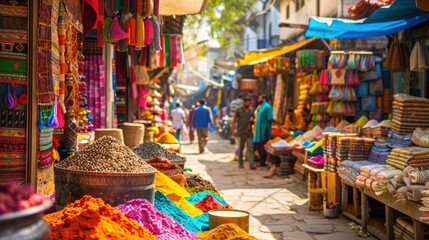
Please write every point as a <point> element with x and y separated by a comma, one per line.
<point>242,129</point>
<point>202,120</point>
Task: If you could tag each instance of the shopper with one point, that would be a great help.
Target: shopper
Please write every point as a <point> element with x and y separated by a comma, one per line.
<point>189,122</point>
<point>262,128</point>
<point>202,121</point>
<point>178,116</point>
<point>233,106</point>
<point>242,129</point>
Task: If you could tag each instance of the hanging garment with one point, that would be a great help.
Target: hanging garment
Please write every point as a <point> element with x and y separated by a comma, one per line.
<point>419,57</point>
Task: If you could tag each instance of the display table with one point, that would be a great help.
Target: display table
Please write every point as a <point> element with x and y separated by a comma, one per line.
<point>299,169</point>
<point>351,210</point>
<point>410,209</point>
<point>286,159</point>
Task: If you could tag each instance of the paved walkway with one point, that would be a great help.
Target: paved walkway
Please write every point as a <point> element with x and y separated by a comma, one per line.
<point>278,206</point>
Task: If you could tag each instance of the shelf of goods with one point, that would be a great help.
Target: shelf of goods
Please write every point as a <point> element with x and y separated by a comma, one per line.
<point>410,209</point>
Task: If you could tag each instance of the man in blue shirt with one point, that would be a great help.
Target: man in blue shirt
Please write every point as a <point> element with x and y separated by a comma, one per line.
<point>202,120</point>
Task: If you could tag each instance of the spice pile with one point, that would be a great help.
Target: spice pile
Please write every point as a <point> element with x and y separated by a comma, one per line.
<point>106,155</point>
<point>196,182</point>
<point>210,203</point>
<point>174,171</point>
<point>227,231</point>
<point>149,150</point>
<point>91,218</point>
<point>164,204</point>
<point>159,223</point>
<point>194,198</point>
<point>16,198</point>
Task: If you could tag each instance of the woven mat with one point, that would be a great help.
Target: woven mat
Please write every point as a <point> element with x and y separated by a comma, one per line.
<point>414,151</point>
<point>410,105</point>
<point>415,117</point>
<point>410,122</point>
<point>401,97</point>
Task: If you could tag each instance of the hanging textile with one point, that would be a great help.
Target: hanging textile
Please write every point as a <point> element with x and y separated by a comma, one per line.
<point>278,95</point>
<point>419,57</point>
<point>13,84</point>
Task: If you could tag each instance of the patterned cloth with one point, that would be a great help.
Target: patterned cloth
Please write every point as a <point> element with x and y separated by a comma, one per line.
<point>94,71</point>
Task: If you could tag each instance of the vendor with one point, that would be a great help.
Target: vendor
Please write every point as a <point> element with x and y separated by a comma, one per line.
<point>296,121</point>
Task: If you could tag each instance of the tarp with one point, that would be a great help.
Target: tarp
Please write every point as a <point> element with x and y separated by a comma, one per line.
<point>399,16</point>
<point>259,56</point>
<point>181,7</point>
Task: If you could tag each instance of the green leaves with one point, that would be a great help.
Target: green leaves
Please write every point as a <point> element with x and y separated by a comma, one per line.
<point>223,19</point>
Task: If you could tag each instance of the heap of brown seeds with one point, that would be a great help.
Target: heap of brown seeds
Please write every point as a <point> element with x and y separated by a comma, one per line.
<point>106,155</point>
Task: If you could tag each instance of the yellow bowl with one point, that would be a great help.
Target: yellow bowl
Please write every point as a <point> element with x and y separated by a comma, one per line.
<point>238,217</point>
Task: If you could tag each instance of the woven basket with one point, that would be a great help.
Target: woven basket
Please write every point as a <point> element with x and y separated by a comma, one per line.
<point>113,132</point>
<point>149,136</point>
<point>133,134</point>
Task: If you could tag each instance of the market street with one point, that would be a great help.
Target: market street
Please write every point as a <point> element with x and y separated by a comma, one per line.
<point>278,206</point>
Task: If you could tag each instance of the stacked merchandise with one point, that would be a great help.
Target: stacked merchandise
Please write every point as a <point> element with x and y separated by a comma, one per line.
<point>408,185</point>
<point>356,126</point>
<point>376,177</point>
<point>319,103</point>
<point>349,170</point>
<point>409,156</point>
<point>304,87</point>
<point>396,140</point>
<point>424,211</point>
<point>409,112</point>
<point>379,152</point>
<point>421,137</point>
<point>403,229</point>
<point>353,149</point>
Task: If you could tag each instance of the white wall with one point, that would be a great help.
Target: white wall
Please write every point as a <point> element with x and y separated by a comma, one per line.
<point>328,8</point>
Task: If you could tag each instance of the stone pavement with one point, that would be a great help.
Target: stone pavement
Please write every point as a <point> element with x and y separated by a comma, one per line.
<point>278,206</point>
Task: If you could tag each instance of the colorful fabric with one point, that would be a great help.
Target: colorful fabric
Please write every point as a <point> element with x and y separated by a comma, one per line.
<point>94,72</point>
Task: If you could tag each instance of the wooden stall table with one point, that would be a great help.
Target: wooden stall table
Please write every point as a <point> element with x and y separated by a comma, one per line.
<point>410,209</point>
<point>285,157</point>
<point>356,213</point>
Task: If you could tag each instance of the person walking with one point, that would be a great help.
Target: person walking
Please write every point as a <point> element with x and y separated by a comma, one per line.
<point>242,124</point>
<point>233,106</point>
<point>178,116</point>
<point>202,121</point>
<point>189,122</point>
<point>264,116</point>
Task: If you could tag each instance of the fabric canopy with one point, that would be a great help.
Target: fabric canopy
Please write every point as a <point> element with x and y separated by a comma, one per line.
<point>181,7</point>
<point>399,16</point>
<point>255,57</point>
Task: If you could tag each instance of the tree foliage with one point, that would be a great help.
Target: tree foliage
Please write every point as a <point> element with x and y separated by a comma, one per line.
<point>226,21</point>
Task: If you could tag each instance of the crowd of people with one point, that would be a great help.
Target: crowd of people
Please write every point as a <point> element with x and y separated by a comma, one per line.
<point>250,127</point>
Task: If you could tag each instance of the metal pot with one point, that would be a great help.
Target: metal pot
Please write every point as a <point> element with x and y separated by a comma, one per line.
<point>238,217</point>
<point>27,224</point>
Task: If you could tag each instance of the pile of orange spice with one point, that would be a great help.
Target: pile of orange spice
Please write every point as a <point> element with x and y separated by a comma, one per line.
<point>91,218</point>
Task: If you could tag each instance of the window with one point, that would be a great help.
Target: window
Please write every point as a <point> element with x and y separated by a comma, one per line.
<point>299,4</point>
<point>287,12</point>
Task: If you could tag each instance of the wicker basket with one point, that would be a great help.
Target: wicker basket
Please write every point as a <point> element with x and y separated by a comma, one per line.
<point>133,134</point>
<point>113,132</point>
<point>149,136</point>
<point>113,188</point>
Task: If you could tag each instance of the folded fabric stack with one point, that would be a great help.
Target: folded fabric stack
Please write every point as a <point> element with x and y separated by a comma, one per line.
<point>376,177</point>
<point>409,112</point>
<point>421,137</point>
<point>366,129</point>
<point>356,126</point>
<point>379,152</point>
<point>353,148</point>
<point>330,150</point>
<point>409,156</point>
<point>382,129</point>
<point>349,170</point>
<point>424,211</point>
<point>403,228</point>
<point>396,140</point>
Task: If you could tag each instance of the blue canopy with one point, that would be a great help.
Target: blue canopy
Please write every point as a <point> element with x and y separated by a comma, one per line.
<point>399,16</point>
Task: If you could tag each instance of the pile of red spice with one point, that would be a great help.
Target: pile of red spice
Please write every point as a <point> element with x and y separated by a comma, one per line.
<point>210,203</point>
